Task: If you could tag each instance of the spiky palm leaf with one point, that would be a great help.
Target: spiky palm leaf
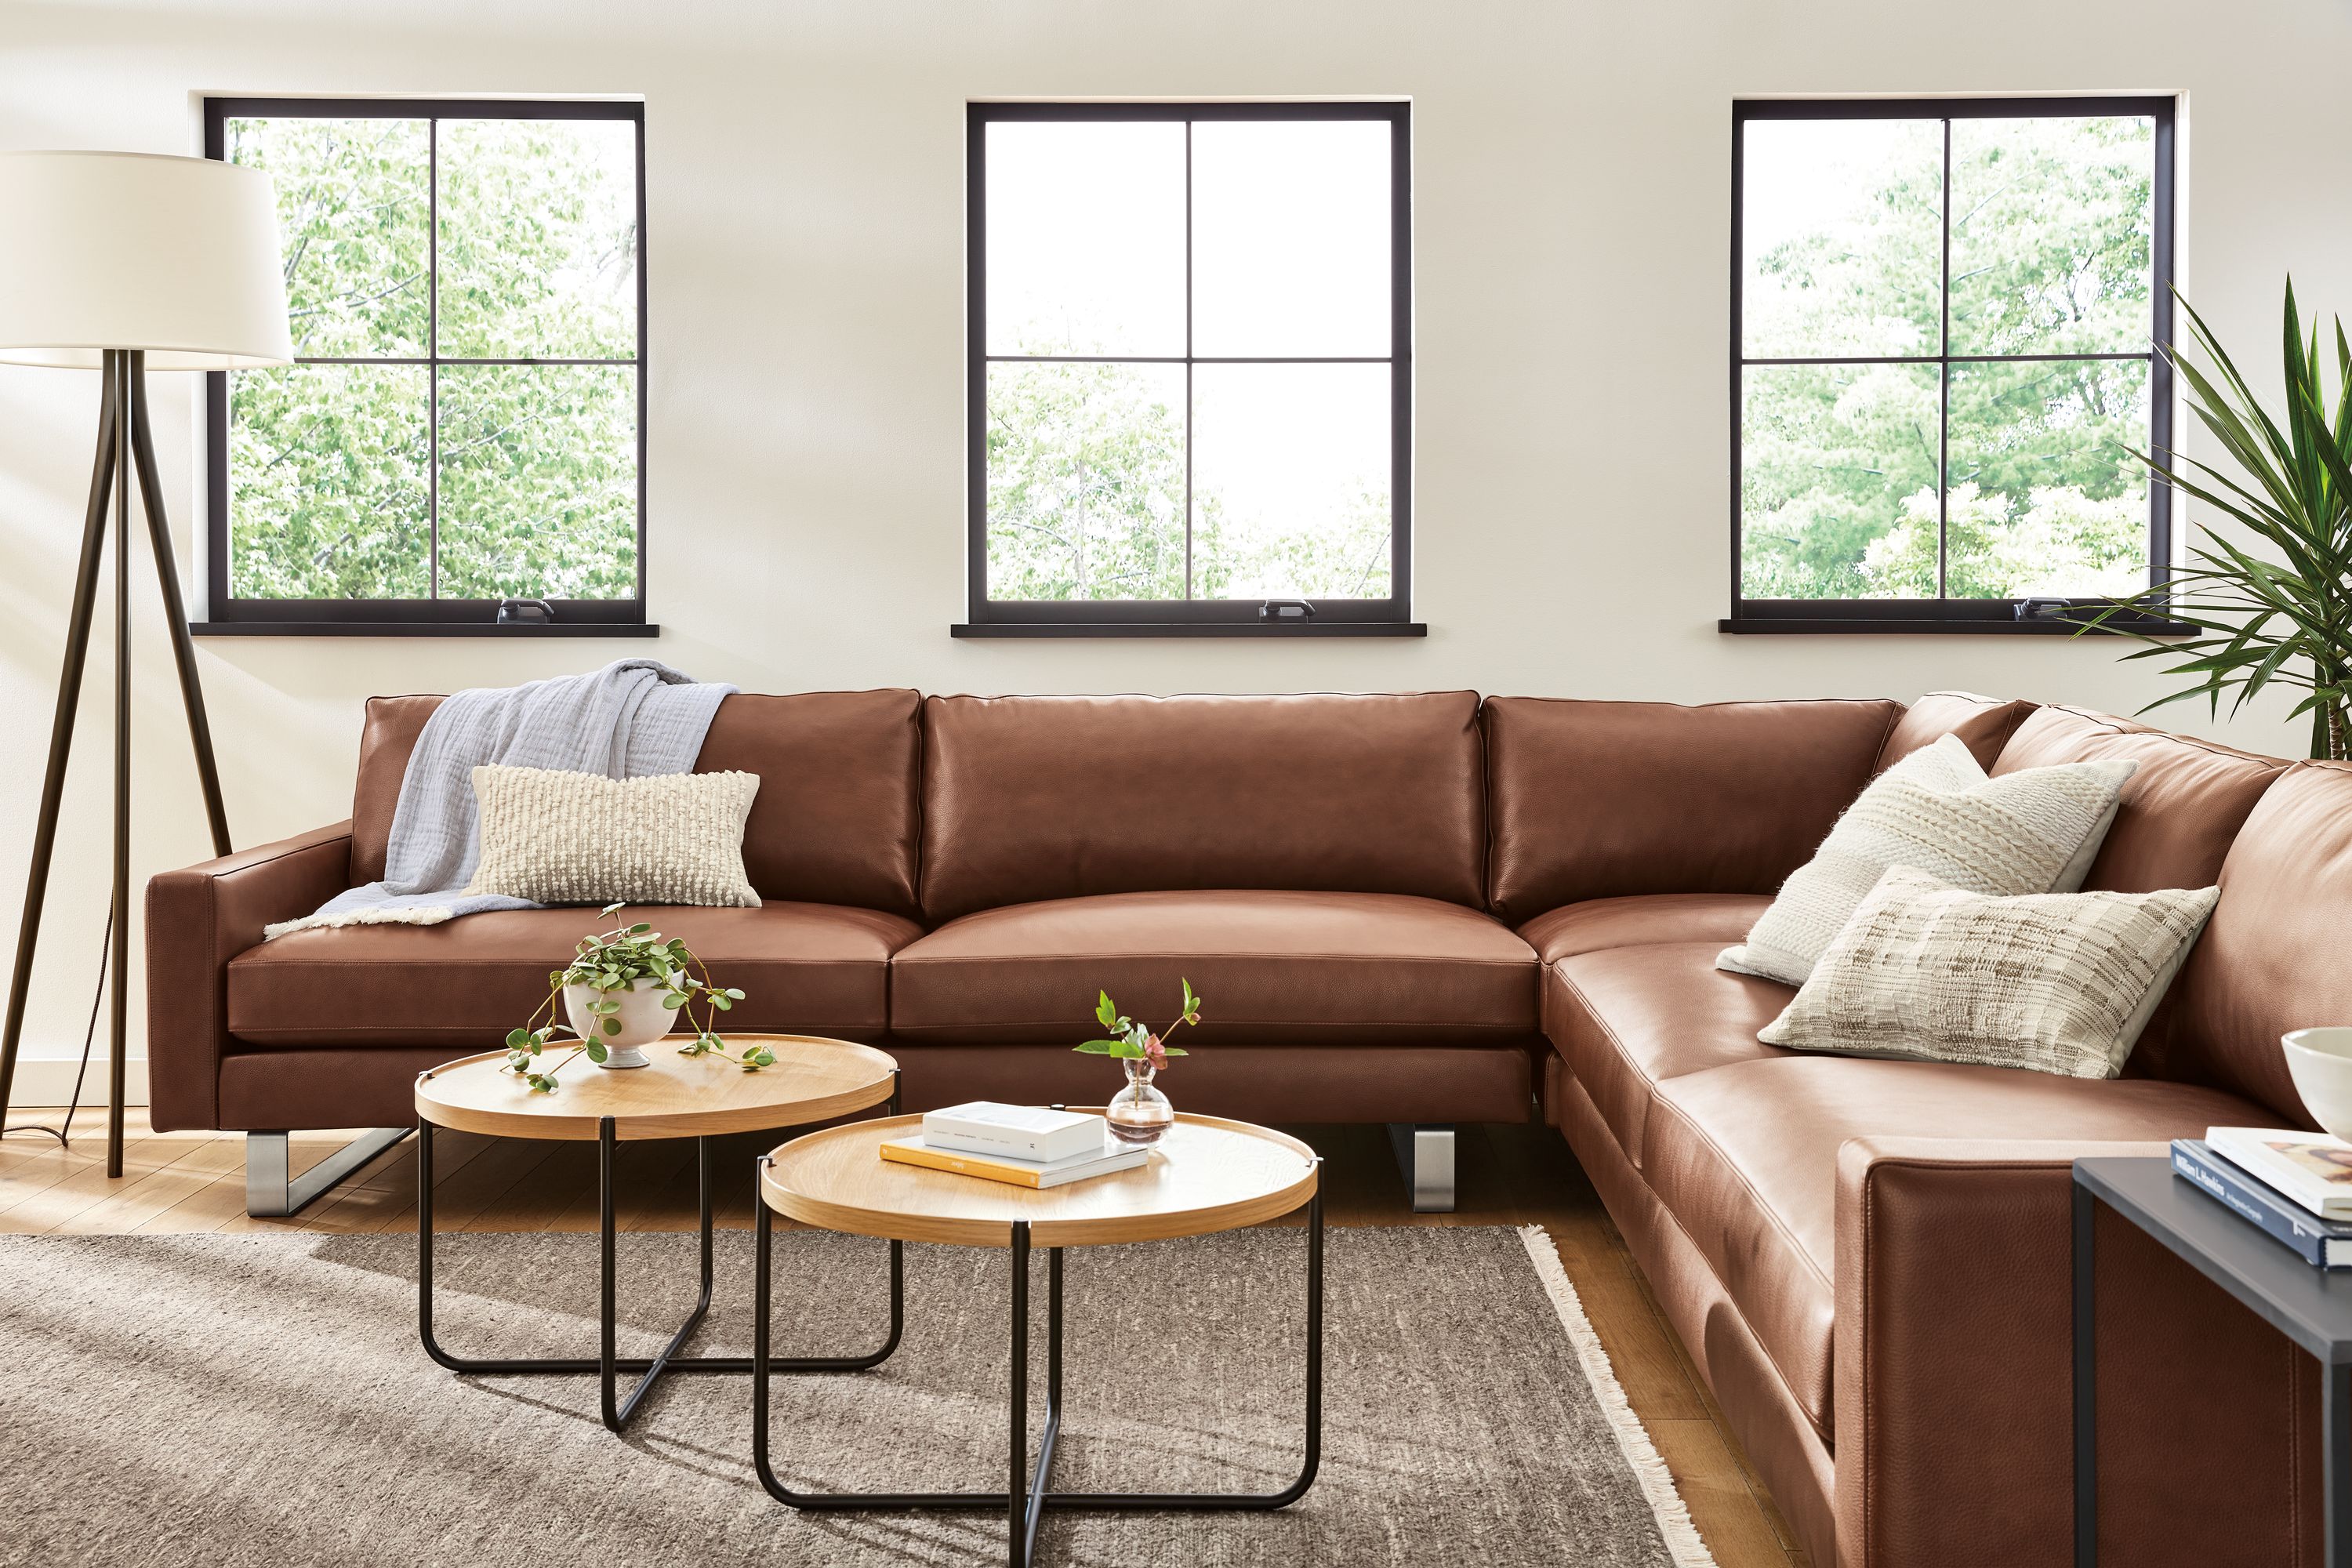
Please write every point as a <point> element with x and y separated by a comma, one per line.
<point>2282,621</point>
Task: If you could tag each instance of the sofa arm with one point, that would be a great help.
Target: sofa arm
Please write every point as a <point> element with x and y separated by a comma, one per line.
<point>199,919</point>
<point>1954,1359</point>
<point>1954,1377</point>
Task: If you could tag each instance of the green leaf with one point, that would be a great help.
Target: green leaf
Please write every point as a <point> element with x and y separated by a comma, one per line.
<point>1104,1010</point>
<point>611,1026</point>
<point>596,1051</point>
<point>517,1038</point>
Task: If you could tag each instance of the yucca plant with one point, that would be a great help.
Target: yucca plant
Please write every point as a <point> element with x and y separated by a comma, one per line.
<point>2275,609</point>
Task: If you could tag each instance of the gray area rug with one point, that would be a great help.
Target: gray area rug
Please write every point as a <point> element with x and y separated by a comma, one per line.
<point>263,1400</point>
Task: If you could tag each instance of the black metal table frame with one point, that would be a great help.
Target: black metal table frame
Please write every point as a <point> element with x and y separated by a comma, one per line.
<point>1027,1494</point>
<point>619,1410</point>
<point>2336,1380</point>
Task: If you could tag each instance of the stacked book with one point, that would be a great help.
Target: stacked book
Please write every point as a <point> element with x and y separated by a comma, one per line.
<point>1026,1145</point>
<point>2295,1188</point>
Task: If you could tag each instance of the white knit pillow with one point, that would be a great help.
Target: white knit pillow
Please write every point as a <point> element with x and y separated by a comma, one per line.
<point>2056,982</point>
<point>2035,831</point>
<point>558,837</point>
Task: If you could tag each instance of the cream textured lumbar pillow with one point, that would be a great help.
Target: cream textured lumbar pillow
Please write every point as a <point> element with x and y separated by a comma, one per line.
<point>558,837</point>
<point>2034,831</point>
<point>2058,982</point>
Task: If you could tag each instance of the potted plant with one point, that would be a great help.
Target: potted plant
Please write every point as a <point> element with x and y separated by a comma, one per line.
<point>1139,1113</point>
<point>2275,608</point>
<point>622,990</point>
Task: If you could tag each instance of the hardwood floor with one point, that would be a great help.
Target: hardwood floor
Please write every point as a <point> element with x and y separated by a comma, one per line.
<point>1509,1175</point>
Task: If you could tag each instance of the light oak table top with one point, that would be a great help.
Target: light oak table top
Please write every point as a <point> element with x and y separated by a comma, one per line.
<point>814,1079</point>
<point>1205,1174</point>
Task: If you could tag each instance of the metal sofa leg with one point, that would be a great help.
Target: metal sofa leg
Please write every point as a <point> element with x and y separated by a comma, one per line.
<point>272,1191</point>
<point>1425,1155</point>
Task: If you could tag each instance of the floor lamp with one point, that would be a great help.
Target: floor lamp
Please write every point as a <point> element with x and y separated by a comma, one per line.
<point>124,263</point>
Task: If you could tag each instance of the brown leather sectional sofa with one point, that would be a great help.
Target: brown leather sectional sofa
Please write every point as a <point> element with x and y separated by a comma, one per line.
<point>1433,909</point>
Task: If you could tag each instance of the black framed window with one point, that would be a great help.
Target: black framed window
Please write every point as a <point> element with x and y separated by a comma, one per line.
<point>1946,317</point>
<point>465,420</point>
<point>1189,340</point>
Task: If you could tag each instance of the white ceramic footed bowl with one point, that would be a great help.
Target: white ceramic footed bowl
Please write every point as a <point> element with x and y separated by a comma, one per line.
<point>2320,1062</point>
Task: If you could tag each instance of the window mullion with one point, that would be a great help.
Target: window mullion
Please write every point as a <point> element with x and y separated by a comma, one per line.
<point>1188,360</point>
<point>433,358</point>
<point>1944,385</point>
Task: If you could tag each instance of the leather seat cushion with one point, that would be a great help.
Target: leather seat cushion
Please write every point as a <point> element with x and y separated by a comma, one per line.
<point>1626,1018</point>
<point>1641,919</point>
<point>1272,968</point>
<point>1745,1157</point>
<point>811,968</point>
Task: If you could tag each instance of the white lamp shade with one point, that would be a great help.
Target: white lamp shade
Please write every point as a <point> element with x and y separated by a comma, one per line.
<point>178,256</point>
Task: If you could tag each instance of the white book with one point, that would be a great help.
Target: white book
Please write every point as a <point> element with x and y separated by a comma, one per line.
<point>1031,1132</point>
<point>2306,1168</point>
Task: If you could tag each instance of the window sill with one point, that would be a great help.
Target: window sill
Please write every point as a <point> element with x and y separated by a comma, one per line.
<point>1185,629</point>
<point>1777,625</point>
<point>418,629</point>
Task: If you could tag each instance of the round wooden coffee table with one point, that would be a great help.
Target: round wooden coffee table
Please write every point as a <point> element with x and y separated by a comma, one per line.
<point>812,1080</point>
<point>1205,1176</point>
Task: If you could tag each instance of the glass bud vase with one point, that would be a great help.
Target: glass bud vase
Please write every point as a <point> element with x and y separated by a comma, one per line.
<point>1139,1113</point>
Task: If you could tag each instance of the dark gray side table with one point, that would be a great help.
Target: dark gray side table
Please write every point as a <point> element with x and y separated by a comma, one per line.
<point>2310,1306</point>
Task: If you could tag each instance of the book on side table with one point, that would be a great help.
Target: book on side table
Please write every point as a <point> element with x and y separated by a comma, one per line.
<point>2310,1169</point>
<point>1038,1133</point>
<point>1101,1160</point>
<point>2324,1243</point>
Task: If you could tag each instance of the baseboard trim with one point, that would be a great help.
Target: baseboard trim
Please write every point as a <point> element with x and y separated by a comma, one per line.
<point>49,1081</point>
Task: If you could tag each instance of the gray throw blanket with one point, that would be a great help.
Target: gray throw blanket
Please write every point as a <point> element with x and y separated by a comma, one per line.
<point>635,718</point>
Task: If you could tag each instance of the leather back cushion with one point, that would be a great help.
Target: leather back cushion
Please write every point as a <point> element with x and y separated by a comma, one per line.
<point>2178,812</point>
<point>2173,828</point>
<point>2271,958</point>
<point>1984,725</point>
<point>836,820</point>
<point>1598,800</point>
<point>1052,797</point>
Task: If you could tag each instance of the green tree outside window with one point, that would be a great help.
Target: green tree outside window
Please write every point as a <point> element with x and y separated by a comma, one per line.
<point>423,445</point>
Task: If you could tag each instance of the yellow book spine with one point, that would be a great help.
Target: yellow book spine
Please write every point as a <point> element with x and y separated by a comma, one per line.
<point>962,1164</point>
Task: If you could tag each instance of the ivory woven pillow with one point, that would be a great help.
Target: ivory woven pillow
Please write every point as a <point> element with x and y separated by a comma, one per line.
<point>2034,831</point>
<point>2056,982</point>
<point>558,837</point>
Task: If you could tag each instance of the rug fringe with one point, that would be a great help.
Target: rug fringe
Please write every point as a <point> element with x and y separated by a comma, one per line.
<point>1683,1543</point>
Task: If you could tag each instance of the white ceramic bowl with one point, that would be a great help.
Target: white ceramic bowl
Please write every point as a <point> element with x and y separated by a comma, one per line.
<point>642,1017</point>
<point>2320,1062</point>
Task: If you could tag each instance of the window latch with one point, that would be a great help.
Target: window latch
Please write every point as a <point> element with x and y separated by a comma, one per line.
<point>526,613</point>
<point>2043,609</point>
<point>1296,611</point>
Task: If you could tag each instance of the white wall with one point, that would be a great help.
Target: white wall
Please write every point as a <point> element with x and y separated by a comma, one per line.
<point>806,166</point>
